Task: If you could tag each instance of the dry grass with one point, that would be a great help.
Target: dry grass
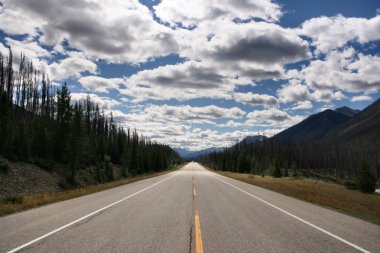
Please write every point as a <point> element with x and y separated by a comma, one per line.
<point>10,205</point>
<point>352,202</point>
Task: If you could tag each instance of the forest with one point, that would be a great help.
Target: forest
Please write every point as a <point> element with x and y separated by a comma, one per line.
<point>40,124</point>
<point>344,161</point>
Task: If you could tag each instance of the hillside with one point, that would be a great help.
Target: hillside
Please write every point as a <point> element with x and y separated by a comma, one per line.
<point>313,127</point>
<point>363,126</point>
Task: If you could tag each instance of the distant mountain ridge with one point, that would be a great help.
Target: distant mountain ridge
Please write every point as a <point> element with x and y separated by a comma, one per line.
<point>188,154</point>
<point>316,126</point>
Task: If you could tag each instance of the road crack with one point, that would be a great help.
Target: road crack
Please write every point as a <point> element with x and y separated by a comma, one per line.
<point>192,216</point>
<point>191,234</point>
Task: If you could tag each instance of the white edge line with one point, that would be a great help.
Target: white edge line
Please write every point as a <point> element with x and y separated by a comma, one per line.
<point>86,216</point>
<point>296,217</point>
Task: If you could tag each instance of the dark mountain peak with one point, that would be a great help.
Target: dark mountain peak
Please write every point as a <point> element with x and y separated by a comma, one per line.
<point>313,127</point>
<point>347,111</point>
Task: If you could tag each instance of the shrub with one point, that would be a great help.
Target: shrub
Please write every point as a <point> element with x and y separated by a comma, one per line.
<point>286,172</point>
<point>351,185</point>
<point>4,165</point>
<point>12,200</point>
<point>45,164</point>
<point>276,171</point>
<point>366,181</point>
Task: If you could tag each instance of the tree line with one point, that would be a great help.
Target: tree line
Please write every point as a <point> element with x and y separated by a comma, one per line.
<point>332,161</point>
<point>40,124</point>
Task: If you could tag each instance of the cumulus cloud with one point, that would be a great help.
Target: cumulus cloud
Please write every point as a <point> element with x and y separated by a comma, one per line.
<point>293,91</point>
<point>254,42</point>
<point>187,113</point>
<point>266,46</point>
<point>11,23</point>
<point>190,13</point>
<point>27,47</point>
<point>109,29</point>
<point>182,81</point>
<point>104,103</point>
<point>271,114</point>
<point>70,67</point>
<point>187,75</point>
<point>231,124</point>
<point>344,70</point>
<point>361,98</point>
<point>256,99</point>
<point>272,118</point>
<point>327,95</point>
<point>333,32</point>
<point>302,105</point>
<point>100,84</point>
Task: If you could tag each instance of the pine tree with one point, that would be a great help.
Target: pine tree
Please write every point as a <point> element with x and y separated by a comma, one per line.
<point>366,181</point>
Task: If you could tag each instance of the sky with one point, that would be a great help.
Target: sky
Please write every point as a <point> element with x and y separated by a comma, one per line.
<point>196,74</point>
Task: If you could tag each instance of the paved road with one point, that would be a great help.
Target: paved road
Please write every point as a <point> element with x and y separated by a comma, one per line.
<point>189,210</point>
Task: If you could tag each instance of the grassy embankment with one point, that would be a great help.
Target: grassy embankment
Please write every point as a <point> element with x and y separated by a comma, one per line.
<point>10,205</point>
<point>336,196</point>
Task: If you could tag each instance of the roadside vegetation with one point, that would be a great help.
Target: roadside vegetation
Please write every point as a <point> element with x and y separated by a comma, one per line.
<point>328,194</point>
<point>13,204</point>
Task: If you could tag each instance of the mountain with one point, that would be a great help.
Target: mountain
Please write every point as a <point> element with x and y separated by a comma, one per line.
<point>363,126</point>
<point>347,111</point>
<point>187,154</point>
<point>183,152</point>
<point>314,127</point>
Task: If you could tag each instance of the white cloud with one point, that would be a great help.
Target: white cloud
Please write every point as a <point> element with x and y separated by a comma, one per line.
<point>270,115</point>
<point>256,99</point>
<point>29,48</point>
<point>12,23</point>
<point>272,119</point>
<point>344,70</point>
<point>261,45</point>
<point>182,81</point>
<point>70,67</point>
<point>231,124</point>
<point>361,98</point>
<point>103,102</point>
<point>333,32</point>
<point>293,91</point>
<point>108,29</point>
<point>191,13</point>
<point>100,84</point>
<point>187,113</point>
<point>302,105</point>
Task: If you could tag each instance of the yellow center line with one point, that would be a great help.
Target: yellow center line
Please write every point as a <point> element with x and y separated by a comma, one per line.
<point>198,235</point>
<point>194,191</point>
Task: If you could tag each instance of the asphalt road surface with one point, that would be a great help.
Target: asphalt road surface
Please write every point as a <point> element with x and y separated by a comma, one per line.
<point>189,210</point>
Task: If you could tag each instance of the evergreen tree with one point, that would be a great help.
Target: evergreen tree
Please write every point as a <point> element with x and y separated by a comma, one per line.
<point>365,180</point>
